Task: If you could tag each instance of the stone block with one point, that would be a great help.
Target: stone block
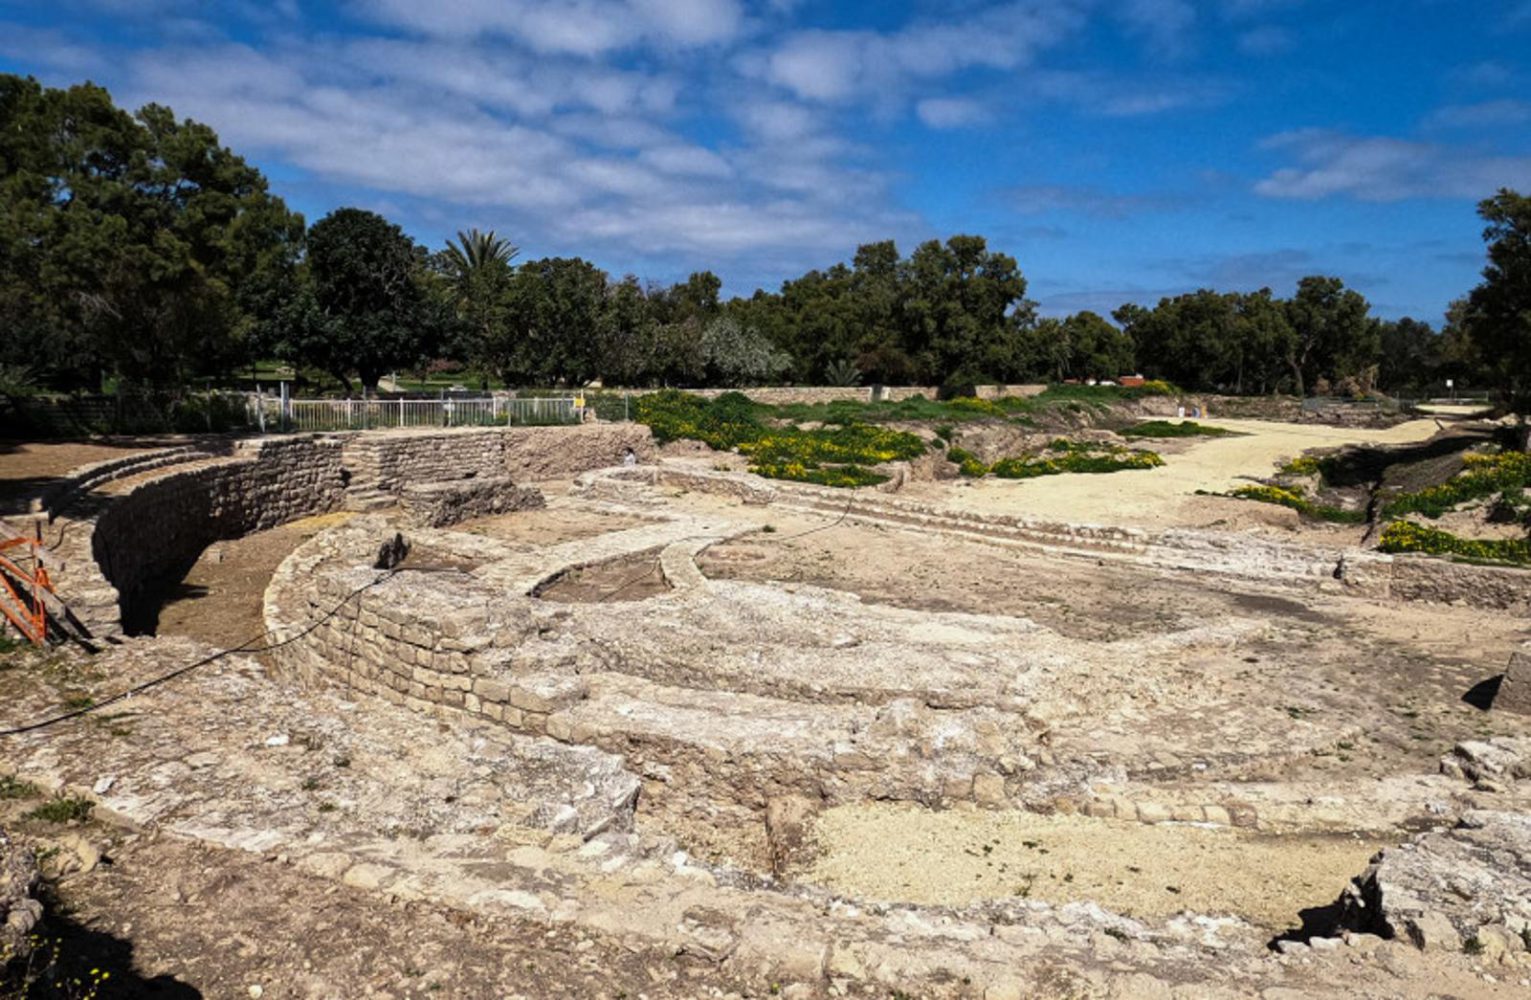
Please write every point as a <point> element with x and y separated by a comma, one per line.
<point>1515,687</point>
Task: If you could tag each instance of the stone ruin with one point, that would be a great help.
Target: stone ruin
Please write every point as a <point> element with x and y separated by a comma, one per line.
<point>651,769</point>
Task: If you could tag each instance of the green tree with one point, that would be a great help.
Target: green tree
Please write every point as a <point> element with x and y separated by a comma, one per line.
<point>1411,355</point>
<point>964,309</point>
<point>477,269</point>
<point>1331,335</point>
<point>555,311</point>
<point>361,303</point>
<point>737,355</point>
<point>1499,309</point>
<point>133,245</point>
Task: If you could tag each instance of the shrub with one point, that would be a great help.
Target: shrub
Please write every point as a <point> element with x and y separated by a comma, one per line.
<point>1484,476</point>
<point>68,809</point>
<point>1409,537</point>
<point>1302,465</point>
<point>1166,429</point>
<point>1296,501</point>
<point>1062,456</point>
<point>967,463</point>
<point>835,455</point>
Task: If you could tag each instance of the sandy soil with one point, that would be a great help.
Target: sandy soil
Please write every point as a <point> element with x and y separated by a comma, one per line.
<point>898,852</point>
<point>549,526</point>
<point>1165,496</point>
<point>219,600</point>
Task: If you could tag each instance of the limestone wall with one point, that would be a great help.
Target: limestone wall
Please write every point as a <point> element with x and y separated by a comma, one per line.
<point>389,460</point>
<point>1423,578</point>
<point>157,530</point>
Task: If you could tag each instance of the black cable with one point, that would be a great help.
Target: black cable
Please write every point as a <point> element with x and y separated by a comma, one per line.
<point>245,647</point>
<point>823,527</point>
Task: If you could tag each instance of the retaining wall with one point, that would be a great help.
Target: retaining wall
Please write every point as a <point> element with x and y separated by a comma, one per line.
<point>156,531</point>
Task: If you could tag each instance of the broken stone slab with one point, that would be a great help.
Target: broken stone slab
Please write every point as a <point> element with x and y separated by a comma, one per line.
<point>1494,760</point>
<point>1448,888</point>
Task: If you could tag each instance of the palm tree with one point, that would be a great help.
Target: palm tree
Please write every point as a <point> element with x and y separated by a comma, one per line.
<point>477,253</point>
<point>478,267</point>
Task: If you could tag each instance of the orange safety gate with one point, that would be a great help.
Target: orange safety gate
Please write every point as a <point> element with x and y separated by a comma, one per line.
<point>29,614</point>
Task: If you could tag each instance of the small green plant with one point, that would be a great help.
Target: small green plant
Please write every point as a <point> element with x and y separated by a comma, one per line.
<point>1062,456</point>
<point>64,809</point>
<point>1472,946</point>
<point>1302,465</point>
<point>1286,497</point>
<point>14,788</point>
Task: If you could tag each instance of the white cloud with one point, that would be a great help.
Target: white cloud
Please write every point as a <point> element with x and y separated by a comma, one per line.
<point>575,27</point>
<point>1167,24</point>
<point>1383,169</point>
<point>835,66</point>
<point>1485,114</point>
<point>951,112</point>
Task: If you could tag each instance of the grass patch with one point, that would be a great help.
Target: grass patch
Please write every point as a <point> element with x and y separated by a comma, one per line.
<point>65,809</point>
<point>1484,476</point>
<point>1409,537</point>
<point>1061,457</point>
<point>1167,429</point>
<point>1284,497</point>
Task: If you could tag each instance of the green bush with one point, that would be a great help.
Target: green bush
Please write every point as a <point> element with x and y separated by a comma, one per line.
<point>1409,537</point>
<point>1062,457</point>
<point>1484,476</point>
<point>1166,429</point>
<point>1302,465</point>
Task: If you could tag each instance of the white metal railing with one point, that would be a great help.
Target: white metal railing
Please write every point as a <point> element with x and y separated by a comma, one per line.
<point>275,413</point>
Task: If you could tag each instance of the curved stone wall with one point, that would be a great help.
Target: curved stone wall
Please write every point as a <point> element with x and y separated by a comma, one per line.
<point>123,543</point>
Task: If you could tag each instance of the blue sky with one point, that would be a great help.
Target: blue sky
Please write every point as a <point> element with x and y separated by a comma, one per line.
<point>1121,150</point>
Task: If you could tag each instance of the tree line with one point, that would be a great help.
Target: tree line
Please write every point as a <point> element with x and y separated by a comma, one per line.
<point>136,247</point>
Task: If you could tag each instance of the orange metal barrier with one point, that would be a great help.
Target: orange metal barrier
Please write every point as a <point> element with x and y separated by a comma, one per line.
<point>25,590</point>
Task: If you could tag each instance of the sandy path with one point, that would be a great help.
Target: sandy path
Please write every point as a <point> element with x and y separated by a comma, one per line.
<point>1159,497</point>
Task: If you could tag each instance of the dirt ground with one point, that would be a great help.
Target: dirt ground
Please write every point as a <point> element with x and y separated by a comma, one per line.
<point>28,468</point>
<point>219,601</point>
<point>903,853</point>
